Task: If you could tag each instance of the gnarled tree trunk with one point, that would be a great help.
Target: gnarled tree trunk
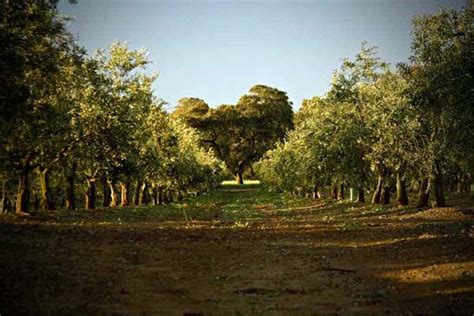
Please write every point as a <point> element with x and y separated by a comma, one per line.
<point>113,194</point>
<point>136,193</point>
<point>424,193</point>
<point>385,195</point>
<point>23,195</point>
<point>105,191</point>
<point>144,197</point>
<point>239,178</point>
<point>90,193</point>
<point>341,195</point>
<point>124,193</point>
<point>46,196</point>
<point>402,196</point>
<point>70,175</point>
<point>439,186</point>
<point>377,197</point>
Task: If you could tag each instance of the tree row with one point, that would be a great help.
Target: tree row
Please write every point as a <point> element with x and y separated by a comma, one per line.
<point>381,129</point>
<point>75,127</point>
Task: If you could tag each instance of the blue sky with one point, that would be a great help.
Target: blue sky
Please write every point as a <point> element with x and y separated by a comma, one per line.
<point>216,50</point>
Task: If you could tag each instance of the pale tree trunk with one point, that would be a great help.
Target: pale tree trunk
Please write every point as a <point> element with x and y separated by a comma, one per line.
<point>377,197</point>
<point>402,196</point>
<point>413,185</point>
<point>46,196</point>
<point>239,178</point>
<point>316,193</point>
<point>341,195</point>
<point>144,196</point>
<point>124,193</point>
<point>113,194</point>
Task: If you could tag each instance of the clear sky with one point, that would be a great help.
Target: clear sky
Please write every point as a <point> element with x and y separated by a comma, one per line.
<point>216,50</point>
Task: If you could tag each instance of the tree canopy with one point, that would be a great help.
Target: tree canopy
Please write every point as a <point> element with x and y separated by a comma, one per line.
<point>413,123</point>
<point>240,134</point>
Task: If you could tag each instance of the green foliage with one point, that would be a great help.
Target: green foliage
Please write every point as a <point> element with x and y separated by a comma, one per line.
<point>96,118</point>
<point>416,122</point>
<point>239,135</point>
<point>73,119</point>
<point>441,78</point>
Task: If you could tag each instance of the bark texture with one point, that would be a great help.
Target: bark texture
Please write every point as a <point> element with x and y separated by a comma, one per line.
<point>402,196</point>
<point>424,193</point>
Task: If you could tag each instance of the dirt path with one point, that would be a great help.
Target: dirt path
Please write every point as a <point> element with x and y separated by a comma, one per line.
<point>319,260</point>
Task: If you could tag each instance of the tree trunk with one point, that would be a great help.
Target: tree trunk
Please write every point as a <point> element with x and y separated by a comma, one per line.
<point>439,186</point>
<point>341,194</point>
<point>106,194</point>
<point>413,185</point>
<point>113,194</point>
<point>124,193</point>
<point>316,194</point>
<point>402,196</point>
<point>179,195</point>
<point>459,184</point>
<point>360,195</point>
<point>4,203</point>
<point>23,196</point>
<point>154,195</point>
<point>144,196</point>
<point>424,194</point>
<point>169,196</point>
<point>136,193</point>
<point>70,176</point>
<point>90,193</point>
<point>334,193</point>
<point>160,195</point>
<point>377,197</point>
<point>239,178</point>
<point>36,201</point>
<point>46,196</point>
<point>302,192</point>
<point>385,195</point>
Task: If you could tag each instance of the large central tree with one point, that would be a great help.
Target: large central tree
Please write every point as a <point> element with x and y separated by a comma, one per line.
<point>240,134</point>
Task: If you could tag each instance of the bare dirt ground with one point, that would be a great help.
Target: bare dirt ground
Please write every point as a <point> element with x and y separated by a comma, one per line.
<point>309,257</point>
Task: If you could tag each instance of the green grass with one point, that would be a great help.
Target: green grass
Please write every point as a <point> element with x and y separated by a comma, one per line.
<point>231,204</point>
<point>236,206</point>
